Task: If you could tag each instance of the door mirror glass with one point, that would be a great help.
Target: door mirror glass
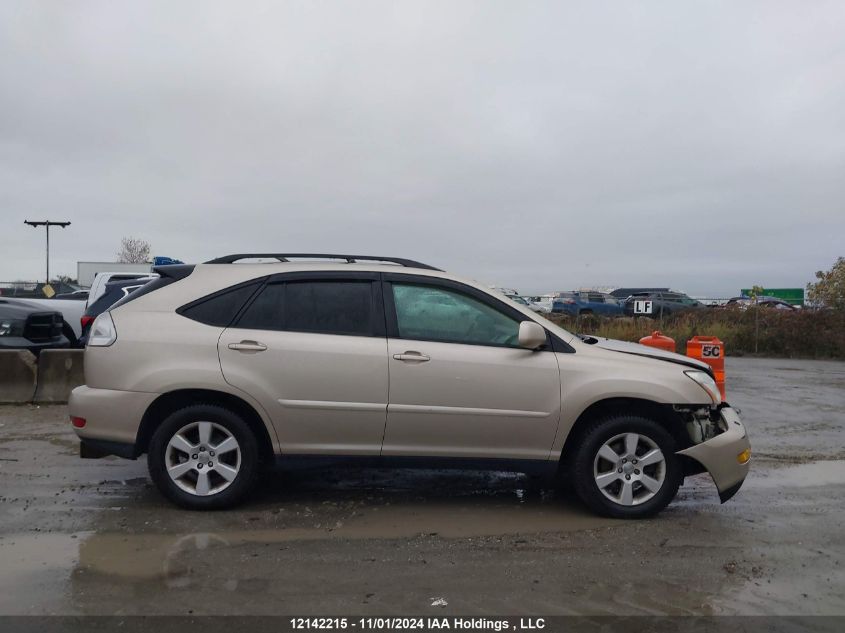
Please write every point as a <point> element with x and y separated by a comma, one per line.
<point>531,335</point>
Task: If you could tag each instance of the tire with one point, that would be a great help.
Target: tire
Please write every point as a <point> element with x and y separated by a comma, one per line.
<point>585,313</point>
<point>639,491</point>
<point>177,447</point>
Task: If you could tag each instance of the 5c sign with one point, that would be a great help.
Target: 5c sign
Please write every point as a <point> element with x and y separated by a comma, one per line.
<point>711,351</point>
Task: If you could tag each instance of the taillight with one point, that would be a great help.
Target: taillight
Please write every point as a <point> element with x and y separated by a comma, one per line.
<point>77,422</point>
<point>86,321</point>
<point>103,333</point>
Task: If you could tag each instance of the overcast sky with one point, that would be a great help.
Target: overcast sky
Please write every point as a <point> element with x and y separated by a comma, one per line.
<point>536,145</point>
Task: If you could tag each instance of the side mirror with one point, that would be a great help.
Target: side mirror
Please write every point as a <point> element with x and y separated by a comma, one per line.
<point>531,335</point>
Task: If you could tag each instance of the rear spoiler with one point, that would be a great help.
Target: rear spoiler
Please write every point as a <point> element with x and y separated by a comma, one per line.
<point>174,271</point>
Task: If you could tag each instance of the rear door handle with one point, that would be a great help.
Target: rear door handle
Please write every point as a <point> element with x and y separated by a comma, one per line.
<point>412,356</point>
<point>248,346</point>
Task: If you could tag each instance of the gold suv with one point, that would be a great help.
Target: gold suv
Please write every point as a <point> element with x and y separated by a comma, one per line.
<point>215,369</point>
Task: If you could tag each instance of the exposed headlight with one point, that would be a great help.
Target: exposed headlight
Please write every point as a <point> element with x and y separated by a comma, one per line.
<point>707,383</point>
<point>12,327</point>
<point>103,332</point>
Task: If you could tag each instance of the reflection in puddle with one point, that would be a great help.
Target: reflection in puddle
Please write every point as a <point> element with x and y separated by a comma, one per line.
<point>178,565</point>
<point>182,560</point>
<point>190,550</point>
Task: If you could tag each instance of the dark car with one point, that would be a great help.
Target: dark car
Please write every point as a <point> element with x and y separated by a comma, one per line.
<point>655,304</point>
<point>583,302</point>
<point>30,328</point>
<point>744,303</point>
<point>114,292</point>
<point>36,290</point>
<point>623,293</point>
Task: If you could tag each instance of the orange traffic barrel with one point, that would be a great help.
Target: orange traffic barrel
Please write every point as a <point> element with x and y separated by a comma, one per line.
<point>656,339</point>
<point>712,351</point>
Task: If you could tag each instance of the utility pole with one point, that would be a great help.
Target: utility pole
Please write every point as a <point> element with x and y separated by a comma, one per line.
<point>47,224</point>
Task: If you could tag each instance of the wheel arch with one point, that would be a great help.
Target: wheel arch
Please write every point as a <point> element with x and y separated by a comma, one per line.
<point>661,413</point>
<point>172,401</point>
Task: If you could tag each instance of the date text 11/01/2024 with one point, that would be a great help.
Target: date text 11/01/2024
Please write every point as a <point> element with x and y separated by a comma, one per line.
<point>418,623</point>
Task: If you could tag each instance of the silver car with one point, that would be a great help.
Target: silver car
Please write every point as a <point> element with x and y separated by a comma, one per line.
<point>215,369</point>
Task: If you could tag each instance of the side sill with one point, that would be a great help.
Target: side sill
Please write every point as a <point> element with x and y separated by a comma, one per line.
<point>539,467</point>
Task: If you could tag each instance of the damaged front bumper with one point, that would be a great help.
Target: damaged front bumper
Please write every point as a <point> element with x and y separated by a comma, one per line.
<point>726,456</point>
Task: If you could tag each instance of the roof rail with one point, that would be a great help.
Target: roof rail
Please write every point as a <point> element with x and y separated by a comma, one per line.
<point>350,259</point>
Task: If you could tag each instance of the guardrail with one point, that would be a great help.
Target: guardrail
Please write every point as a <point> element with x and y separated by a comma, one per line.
<point>48,379</point>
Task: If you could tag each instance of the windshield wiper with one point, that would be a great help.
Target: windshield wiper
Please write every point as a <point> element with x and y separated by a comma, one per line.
<point>589,340</point>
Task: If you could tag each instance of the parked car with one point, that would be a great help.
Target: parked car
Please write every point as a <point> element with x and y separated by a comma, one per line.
<point>544,302</point>
<point>98,286</point>
<point>35,290</point>
<point>112,293</point>
<point>79,295</point>
<point>31,328</point>
<point>214,369</point>
<point>528,304</point>
<point>580,303</point>
<point>623,293</point>
<point>744,303</point>
<point>655,304</point>
<point>69,309</point>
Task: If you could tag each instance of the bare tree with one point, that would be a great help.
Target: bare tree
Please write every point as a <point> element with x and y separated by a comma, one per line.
<point>133,251</point>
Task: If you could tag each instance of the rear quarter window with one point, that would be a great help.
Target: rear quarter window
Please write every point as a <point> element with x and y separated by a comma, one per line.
<point>220,308</point>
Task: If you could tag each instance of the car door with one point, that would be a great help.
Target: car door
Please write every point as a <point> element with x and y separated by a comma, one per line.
<point>460,385</point>
<point>596,303</point>
<point>311,348</point>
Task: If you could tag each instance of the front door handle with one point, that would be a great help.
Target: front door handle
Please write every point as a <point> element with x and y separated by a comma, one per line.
<point>248,346</point>
<point>412,356</point>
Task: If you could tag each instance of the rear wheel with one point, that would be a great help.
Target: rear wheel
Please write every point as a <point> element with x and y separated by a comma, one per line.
<point>204,457</point>
<point>625,467</point>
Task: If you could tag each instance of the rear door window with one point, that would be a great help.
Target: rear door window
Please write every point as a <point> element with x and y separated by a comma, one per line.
<point>266,312</point>
<point>330,307</point>
<point>321,306</point>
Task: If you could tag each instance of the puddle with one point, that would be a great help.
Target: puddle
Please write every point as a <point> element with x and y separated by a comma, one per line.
<point>34,570</point>
<point>821,473</point>
<point>35,563</point>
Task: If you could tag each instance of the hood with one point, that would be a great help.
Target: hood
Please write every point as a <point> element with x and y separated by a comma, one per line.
<point>20,309</point>
<point>644,350</point>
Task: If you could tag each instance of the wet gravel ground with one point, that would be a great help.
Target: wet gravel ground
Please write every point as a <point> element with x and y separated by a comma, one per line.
<point>94,537</point>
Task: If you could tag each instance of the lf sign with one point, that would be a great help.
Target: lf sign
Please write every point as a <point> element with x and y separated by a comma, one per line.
<point>642,306</point>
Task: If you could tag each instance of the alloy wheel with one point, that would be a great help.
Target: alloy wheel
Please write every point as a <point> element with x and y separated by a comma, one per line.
<point>203,458</point>
<point>629,469</point>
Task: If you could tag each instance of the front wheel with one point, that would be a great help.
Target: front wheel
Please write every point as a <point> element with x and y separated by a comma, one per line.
<point>204,457</point>
<point>625,467</point>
